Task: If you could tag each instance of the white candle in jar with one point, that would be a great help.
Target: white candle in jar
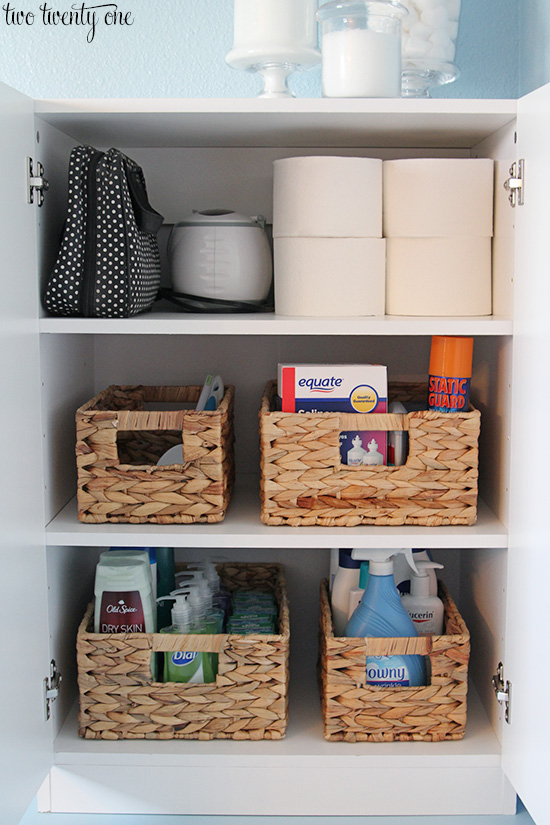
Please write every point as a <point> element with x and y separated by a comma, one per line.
<point>281,26</point>
<point>361,63</point>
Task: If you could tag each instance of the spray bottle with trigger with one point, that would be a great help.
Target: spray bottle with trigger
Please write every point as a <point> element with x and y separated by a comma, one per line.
<point>381,614</point>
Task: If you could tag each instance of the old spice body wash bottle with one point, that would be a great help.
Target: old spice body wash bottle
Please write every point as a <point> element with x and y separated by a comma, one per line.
<point>123,596</point>
<point>450,373</point>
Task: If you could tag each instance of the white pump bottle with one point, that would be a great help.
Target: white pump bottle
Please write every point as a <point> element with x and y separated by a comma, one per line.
<point>426,611</point>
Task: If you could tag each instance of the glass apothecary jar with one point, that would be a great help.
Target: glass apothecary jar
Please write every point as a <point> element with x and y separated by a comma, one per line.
<point>274,38</point>
<point>428,46</point>
<point>361,48</point>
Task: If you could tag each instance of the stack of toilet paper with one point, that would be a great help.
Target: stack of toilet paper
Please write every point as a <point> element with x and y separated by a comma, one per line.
<point>329,254</point>
<point>438,224</point>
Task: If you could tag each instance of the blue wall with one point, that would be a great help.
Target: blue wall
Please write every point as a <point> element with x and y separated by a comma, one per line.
<point>534,55</point>
<point>177,48</point>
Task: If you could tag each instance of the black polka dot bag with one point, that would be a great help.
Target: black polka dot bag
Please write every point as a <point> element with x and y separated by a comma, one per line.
<point>108,264</point>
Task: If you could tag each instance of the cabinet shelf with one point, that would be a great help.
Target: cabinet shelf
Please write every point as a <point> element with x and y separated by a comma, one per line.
<point>242,528</point>
<point>302,760</point>
<point>292,123</point>
<point>304,742</point>
<point>174,323</point>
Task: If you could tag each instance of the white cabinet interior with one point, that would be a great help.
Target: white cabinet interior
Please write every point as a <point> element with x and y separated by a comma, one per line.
<point>205,154</point>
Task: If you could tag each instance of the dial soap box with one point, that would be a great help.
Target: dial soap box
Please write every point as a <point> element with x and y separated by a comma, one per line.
<point>350,388</point>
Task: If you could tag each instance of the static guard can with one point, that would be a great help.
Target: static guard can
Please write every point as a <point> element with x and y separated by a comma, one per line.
<point>450,373</point>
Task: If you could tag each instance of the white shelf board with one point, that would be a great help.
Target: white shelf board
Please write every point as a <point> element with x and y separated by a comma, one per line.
<point>298,122</point>
<point>303,745</point>
<point>174,323</point>
<point>301,774</point>
<point>242,528</point>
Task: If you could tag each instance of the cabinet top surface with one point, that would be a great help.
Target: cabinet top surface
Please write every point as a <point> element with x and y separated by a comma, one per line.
<point>294,122</point>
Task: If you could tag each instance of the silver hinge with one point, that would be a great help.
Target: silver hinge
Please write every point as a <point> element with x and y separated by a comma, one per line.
<point>503,691</point>
<point>36,182</point>
<point>51,688</point>
<point>514,184</point>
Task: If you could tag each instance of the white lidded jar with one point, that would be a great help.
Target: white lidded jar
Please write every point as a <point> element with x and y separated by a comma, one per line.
<point>219,254</point>
<point>273,38</point>
<point>428,46</point>
<point>361,48</point>
<point>278,29</point>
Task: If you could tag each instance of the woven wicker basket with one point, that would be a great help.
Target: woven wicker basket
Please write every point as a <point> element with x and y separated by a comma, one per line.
<point>304,483</point>
<point>249,700</point>
<point>356,712</point>
<point>118,446</point>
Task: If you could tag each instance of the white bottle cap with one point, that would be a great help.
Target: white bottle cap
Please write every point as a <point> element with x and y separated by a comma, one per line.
<point>212,575</point>
<point>122,573</point>
<point>181,611</point>
<point>420,582</point>
<point>197,578</point>
<point>196,601</point>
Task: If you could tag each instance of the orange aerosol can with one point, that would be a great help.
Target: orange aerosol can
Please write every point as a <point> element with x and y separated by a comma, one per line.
<point>450,373</point>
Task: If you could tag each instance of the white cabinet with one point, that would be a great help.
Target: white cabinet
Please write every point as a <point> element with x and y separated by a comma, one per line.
<point>208,153</point>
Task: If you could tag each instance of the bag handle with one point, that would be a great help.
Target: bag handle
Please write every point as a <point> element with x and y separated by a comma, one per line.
<point>148,219</point>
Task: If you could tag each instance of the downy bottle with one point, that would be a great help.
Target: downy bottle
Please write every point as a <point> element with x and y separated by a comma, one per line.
<point>381,614</point>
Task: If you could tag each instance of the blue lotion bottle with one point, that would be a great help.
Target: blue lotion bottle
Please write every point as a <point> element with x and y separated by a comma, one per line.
<point>380,614</point>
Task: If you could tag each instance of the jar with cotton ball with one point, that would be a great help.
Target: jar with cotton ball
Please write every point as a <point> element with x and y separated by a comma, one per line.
<point>429,36</point>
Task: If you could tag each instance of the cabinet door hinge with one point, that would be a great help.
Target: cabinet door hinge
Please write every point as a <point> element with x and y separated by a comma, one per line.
<point>36,182</point>
<point>51,688</point>
<point>514,184</point>
<point>503,691</point>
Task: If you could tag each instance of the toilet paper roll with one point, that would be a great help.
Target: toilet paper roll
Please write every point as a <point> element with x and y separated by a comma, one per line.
<point>329,276</point>
<point>438,276</point>
<point>327,197</point>
<point>438,197</point>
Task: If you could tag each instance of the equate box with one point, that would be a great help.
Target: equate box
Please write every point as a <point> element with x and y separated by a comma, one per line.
<point>354,388</point>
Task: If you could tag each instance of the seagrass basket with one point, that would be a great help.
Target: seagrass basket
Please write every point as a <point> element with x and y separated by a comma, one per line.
<point>118,444</point>
<point>248,700</point>
<point>304,483</point>
<point>354,711</point>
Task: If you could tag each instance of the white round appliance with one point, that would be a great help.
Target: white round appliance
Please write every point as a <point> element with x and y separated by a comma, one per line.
<point>221,255</point>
